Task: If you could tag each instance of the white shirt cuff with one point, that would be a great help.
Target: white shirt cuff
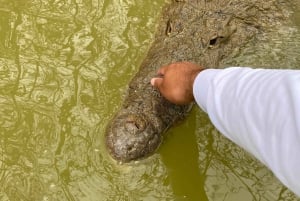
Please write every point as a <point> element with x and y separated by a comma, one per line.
<point>201,86</point>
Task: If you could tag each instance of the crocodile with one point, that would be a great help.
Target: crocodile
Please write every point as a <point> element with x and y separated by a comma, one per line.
<point>205,32</point>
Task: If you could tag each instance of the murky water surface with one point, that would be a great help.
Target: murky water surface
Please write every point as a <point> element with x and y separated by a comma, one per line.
<point>64,68</point>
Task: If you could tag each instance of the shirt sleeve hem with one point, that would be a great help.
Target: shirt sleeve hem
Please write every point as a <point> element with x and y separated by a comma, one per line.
<point>201,86</point>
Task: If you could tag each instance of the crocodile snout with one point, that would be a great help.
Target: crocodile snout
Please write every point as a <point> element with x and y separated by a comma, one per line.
<point>131,137</point>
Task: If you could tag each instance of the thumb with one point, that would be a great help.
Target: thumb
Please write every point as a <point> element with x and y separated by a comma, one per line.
<point>157,82</point>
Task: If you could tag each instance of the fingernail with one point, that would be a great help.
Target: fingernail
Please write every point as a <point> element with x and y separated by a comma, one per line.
<point>152,81</point>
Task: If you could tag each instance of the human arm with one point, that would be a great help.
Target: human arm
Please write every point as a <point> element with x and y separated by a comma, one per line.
<point>258,110</point>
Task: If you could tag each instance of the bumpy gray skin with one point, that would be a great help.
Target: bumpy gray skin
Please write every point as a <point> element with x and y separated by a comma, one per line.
<point>203,32</point>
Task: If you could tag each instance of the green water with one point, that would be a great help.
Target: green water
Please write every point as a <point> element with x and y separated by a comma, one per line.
<point>64,69</point>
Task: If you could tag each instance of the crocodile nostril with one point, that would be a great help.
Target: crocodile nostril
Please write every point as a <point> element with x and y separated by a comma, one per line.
<point>137,126</point>
<point>134,124</point>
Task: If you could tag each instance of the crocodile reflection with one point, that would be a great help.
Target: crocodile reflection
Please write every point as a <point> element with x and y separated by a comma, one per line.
<point>203,32</point>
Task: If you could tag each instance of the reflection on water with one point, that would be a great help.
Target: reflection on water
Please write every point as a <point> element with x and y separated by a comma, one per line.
<point>64,67</point>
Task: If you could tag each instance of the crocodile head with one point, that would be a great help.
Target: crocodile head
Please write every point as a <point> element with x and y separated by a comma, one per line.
<point>189,30</point>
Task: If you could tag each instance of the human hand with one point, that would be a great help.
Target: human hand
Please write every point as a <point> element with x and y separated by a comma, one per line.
<point>175,81</point>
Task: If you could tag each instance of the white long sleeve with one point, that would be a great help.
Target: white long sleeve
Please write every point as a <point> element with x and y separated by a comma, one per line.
<point>259,110</point>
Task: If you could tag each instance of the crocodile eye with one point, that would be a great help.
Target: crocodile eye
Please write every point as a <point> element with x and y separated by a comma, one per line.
<point>214,40</point>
